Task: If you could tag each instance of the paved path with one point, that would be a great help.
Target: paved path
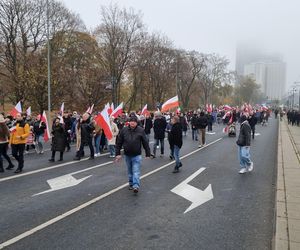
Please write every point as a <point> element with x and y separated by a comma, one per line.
<point>287,235</point>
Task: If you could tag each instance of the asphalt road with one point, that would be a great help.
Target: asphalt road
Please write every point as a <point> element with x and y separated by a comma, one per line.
<point>101,213</point>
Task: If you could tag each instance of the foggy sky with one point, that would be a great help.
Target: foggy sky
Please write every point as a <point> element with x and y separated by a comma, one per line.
<point>216,26</point>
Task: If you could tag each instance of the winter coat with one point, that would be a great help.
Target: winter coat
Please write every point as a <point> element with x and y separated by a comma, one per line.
<point>132,140</point>
<point>175,137</point>
<point>194,122</point>
<point>159,127</point>
<point>183,122</point>
<point>202,122</point>
<point>252,121</point>
<point>4,133</point>
<point>58,139</point>
<point>115,132</point>
<point>244,138</point>
<point>22,131</point>
<point>148,124</point>
<point>87,128</point>
<point>39,128</point>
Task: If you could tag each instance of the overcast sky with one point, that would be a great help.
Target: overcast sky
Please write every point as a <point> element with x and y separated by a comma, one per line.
<point>215,26</point>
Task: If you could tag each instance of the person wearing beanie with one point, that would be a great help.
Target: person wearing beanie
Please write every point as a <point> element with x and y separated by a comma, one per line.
<point>243,142</point>
<point>131,138</point>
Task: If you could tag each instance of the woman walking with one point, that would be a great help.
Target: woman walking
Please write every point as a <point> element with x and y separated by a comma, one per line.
<point>58,140</point>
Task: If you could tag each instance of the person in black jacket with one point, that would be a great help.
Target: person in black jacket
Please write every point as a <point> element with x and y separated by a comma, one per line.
<point>58,140</point>
<point>243,142</point>
<point>201,125</point>
<point>194,127</point>
<point>175,139</point>
<point>86,131</point>
<point>159,127</point>
<point>147,124</point>
<point>131,138</point>
<point>39,130</point>
<point>252,122</point>
<point>68,127</point>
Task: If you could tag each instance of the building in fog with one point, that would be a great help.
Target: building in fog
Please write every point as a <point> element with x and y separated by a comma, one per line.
<point>269,71</point>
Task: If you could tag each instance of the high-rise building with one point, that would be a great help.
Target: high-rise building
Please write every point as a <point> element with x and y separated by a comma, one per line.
<point>268,70</point>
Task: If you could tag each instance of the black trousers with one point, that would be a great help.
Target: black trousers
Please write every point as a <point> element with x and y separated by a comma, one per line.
<point>253,132</point>
<point>18,153</point>
<point>90,144</point>
<point>3,152</point>
<point>61,155</point>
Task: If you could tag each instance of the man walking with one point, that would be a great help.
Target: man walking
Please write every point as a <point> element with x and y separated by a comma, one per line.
<point>131,138</point>
<point>159,127</point>
<point>243,143</point>
<point>202,124</point>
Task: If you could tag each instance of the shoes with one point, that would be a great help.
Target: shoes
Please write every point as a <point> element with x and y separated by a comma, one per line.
<point>91,158</point>
<point>200,146</point>
<point>171,157</point>
<point>26,152</point>
<point>76,158</point>
<point>243,171</point>
<point>152,156</point>
<point>10,167</point>
<point>61,159</point>
<point>251,167</point>
<point>176,170</point>
<point>162,155</point>
<point>135,190</point>
<point>41,152</point>
<point>1,170</point>
<point>51,160</point>
<point>180,165</point>
<point>18,170</point>
<point>97,155</point>
<point>112,156</point>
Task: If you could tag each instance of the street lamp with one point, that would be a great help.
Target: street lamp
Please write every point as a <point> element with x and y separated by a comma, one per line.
<point>49,66</point>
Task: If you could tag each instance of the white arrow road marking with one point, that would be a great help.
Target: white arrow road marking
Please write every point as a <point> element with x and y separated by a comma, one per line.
<point>210,133</point>
<point>68,180</point>
<point>62,182</point>
<point>89,203</point>
<point>195,195</point>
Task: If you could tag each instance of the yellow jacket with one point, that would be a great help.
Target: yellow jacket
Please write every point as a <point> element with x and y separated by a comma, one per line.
<point>19,136</point>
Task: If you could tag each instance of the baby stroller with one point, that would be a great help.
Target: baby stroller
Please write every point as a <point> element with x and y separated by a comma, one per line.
<point>231,130</point>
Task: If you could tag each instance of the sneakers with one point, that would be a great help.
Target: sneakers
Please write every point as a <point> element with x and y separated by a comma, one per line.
<point>176,170</point>
<point>200,146</point>
<point>112,156</point>
<point>18,170</point>
<point>10,167</point>
<point>135,190</point>
<point>243,171</point>
<point>251,167</point>
<point>171,157</point>
<point>97,155</point>
<point>51,160</point>
<point>152,156</point>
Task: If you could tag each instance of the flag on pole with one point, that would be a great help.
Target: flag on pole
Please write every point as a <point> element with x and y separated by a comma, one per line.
<point>117,111</point>
<point>13,129</point>
<point>171,103</point>
<point>17,109</point>
<point>28,111</point>
<point>209,108</point>
<point>110,108</point>
<point>226,107</point>
<point>103,121</point>
<point>91,109</point>
<point>145,109</point>
<point>47,132</point>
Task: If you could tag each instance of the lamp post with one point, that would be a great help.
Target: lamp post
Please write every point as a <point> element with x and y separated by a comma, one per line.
<point>49,66</point>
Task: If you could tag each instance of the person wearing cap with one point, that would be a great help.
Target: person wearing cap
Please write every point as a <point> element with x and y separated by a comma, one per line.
<point>18,140</point>
<point>4,138</point>
<point>243,142</point>
<point>131,138</point>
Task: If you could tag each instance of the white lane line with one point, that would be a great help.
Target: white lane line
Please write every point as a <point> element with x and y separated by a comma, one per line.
<point>84,205</point>
<point>49,168</point>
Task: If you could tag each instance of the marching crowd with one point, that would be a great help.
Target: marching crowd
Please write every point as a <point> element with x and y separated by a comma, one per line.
<point>129,132</point>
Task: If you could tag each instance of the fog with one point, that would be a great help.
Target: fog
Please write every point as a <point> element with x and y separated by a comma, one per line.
<point>216,26</point>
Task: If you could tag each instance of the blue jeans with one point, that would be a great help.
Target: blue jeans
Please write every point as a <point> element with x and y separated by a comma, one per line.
<point>244,157</point>
<point>112,150</point>
<point>97,143</point>
<point>176,155</point>
<point>38,143</point>
<point>133,169</point>
<point>195,134</point>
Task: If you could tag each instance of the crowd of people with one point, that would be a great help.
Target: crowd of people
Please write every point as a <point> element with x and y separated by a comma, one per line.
<point>129,132</point>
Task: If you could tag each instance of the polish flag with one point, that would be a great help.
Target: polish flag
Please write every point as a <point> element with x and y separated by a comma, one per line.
<point>117,111</point>
<point>178,110</point>
<point>171,103</point>
<point>13,129</point>
<point>47,133</point>
<point>28,111</point>
<point>226,107</point>
<point>264,108</point>
<point>110,108</point>
<point>209,108</point>
<point>226,114</point>
<point>145,109</point>
<point>103,121</point>
<point>90,109</point>
<point>62,109</point>
<point>17,109</point>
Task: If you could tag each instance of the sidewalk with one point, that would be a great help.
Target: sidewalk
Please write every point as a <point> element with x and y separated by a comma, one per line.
<point>287,234</point>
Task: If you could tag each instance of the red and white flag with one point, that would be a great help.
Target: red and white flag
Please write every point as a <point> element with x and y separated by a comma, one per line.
<point>28,111</point>
<point>103,121</point>
<point>209,108</point>
<point>13,129</point>
<point>118,111</point>
<point>62,108</point>
<point>145,109</point>
<point>47,132</point>
<point>171,103</point>
<point>226,107</point>
<point>17,109</point>
<point>110,108</point>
